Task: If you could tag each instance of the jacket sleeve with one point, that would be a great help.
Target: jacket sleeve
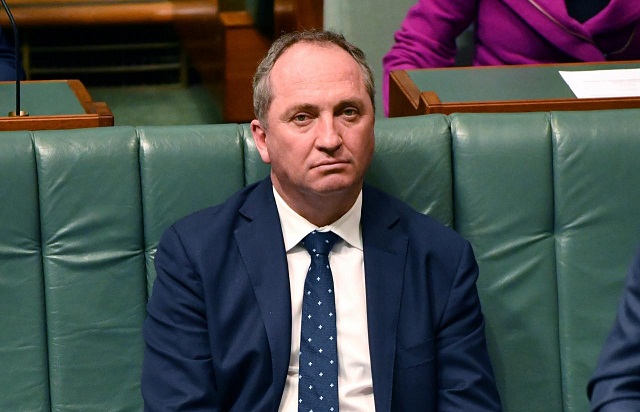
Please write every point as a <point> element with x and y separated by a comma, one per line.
<point>177,372</point>
<point>466,376</point>
<point>427,37</point>
<point>615,384</point>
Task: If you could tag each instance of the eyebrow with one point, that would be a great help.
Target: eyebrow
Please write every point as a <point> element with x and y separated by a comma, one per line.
<point>304,107</point>
<point>359,103</point>
<point>308,107</point>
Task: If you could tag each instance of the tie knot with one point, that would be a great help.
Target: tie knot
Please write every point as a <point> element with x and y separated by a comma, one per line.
<point>319,242</point>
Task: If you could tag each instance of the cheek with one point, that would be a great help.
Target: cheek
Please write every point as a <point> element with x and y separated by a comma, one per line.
<point>362,147</point>
<point>287,154</point>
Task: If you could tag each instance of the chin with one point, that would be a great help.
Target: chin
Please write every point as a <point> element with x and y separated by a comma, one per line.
<point>336,184</point>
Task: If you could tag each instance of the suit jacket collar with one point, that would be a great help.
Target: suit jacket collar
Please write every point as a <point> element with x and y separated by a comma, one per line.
<point>385,247</point>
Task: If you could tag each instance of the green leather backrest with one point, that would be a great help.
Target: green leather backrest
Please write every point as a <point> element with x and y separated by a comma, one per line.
<point>93,258</point>
<point>24,379</point>
<point>82,212</point>
<point>412,161</point>
<point>550,204</point>
<point>596,161</point>
<point>504,206</point>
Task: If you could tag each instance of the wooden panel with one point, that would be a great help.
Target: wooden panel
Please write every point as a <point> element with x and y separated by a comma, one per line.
<point>244,47</point>
<point>404,95</point>
<point>406,98</point>
<point>77,12</point>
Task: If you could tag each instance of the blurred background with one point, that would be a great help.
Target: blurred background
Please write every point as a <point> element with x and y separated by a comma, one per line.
<point>159,62</point>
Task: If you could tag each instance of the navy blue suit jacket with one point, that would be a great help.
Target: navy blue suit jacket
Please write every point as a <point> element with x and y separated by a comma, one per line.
<point>218,329</point>
<point>615,385</point>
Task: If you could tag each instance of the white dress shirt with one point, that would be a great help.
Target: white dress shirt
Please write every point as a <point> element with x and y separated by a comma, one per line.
<point>355,384</point>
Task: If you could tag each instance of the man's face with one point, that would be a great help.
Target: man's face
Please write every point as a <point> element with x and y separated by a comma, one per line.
<point>320,136</point>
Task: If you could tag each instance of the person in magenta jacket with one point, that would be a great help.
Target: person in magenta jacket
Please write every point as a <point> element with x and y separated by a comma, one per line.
<point>515,32</point>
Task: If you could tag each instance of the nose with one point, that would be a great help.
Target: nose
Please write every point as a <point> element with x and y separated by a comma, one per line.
<point>328,136</point>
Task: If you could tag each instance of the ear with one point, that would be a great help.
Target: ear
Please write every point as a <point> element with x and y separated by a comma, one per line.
<point>260,138</point>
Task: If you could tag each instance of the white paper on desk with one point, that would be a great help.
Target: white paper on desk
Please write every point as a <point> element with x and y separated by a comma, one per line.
<point>603,83</point>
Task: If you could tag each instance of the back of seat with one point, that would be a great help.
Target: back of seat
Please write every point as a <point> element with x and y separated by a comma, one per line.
<point>550,205</point>
<point>597,226</point>
<point>24,379</point>
<point>93,260</point>
<point>412,161</point>
<point>503,195</point>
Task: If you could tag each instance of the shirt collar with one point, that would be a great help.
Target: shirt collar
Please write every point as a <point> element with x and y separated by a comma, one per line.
<point>295,227</point>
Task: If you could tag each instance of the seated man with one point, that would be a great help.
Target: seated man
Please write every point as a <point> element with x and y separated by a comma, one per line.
<point>615,385</point>
<point>310,290</point>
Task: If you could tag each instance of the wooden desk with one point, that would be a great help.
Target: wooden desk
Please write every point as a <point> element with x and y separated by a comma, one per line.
<point>52,104</point>
<point>525,88</point>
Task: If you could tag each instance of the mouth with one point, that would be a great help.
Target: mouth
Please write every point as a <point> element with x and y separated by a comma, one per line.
<point>330,164</point>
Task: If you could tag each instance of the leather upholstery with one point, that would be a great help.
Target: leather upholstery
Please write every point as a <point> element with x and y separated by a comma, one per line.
<point>23,342</point>
<point>93,255</point>
<point>504,207</point>
<point>549,202</point>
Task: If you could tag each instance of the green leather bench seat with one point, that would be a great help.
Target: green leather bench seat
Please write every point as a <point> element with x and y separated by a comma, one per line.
<point>93,255</point>
<point>24,377</point>
<point>597,226</point>
<point>505,207</point>
<point>548,200</point>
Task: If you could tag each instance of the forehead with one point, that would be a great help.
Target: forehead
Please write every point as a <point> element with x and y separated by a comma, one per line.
<point>313,66</point>
<point>305,50</point>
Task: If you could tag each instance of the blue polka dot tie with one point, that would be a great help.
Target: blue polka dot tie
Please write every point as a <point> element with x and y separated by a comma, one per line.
<point>318,385</point>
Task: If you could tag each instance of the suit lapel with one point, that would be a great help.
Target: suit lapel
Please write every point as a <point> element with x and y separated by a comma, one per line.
<point>262,249</point>
<point>385,249</point>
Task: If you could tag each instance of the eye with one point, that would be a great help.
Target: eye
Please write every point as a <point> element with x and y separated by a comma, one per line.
<point>301,119</point>
<point>350,112</point>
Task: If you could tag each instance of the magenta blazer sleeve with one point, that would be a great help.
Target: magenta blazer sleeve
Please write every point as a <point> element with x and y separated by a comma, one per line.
<point>427,37</point>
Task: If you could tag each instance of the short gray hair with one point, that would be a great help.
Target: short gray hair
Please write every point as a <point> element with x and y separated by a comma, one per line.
<point>262,93</point>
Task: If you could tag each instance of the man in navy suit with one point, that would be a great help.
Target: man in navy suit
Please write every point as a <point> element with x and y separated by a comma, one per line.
<point>615,385</point>
<point>224,320</point>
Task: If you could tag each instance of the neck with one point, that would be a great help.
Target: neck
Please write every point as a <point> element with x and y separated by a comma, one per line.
<point>320,209</point>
